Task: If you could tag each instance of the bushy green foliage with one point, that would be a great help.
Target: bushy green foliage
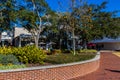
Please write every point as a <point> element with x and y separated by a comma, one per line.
<point>30,54</point>
<point>68,58</point>
<point>1,57</point>
<point>27,54</point>
<point>66,51</point>
<point>51,52</point>
<point>4,67</point>
<point>9,59</point>
<point>6,50</point>
<point>87,51</point>
<point>58,51</point>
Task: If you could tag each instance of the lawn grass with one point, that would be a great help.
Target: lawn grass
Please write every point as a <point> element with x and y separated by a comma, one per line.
<point>117,53</point>
<point>68,58</point>
<point>6,67</point>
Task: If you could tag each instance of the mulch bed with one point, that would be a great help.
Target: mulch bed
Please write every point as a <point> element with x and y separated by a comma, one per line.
<point>37,64</point>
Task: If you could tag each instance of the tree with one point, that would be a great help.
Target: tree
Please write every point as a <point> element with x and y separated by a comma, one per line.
<point>52,30</point>
<point>32,19</point>
<point>96,23</point>
<point>105,23</point>
<point>7,15</point>
<point>75,11</point>
<point>85,25</point>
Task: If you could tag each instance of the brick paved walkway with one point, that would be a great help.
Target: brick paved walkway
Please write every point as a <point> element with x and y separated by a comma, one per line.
<point>109,69</point>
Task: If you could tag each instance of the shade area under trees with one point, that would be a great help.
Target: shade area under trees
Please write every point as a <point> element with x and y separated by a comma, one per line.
<point>81,22</point>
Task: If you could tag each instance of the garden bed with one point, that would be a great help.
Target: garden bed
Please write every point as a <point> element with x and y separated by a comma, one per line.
<point>68,58</point>
<point>32,57</point>
<point>53,72</point>
<point>55,59</point>
<point>64,59</point>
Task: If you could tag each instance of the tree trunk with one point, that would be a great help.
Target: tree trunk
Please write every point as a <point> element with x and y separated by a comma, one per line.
<point>73,35</point>
<point>40,25</point>
<point>36,40</point>
<point>60,44</point>
<point>0,36</point>
<point>85,44</point>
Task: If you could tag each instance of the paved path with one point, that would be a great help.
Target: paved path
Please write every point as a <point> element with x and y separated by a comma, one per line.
<point>109,69</point>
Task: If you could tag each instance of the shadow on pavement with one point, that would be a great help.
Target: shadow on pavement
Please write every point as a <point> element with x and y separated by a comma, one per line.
<point>117,71</point>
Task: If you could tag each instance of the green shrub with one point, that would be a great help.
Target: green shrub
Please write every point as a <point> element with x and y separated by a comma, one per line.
<point>56,51</point>
<point>49,52</point>
<point>5,50</point>
<point>20,54</point>
<point>67,58</point>
<point>88,51</point>
<point>9,59</point>
<point>1,58</point>
<point>66,51</point>
<point>34,54</point>
<point>4,67</point>
<point>30,54</point>
<point>27,54</point>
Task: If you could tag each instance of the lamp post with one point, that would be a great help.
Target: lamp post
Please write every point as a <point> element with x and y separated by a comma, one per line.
<point>19,41</point>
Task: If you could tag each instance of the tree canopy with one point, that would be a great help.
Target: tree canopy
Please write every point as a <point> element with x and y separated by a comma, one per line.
<point>82,20</point>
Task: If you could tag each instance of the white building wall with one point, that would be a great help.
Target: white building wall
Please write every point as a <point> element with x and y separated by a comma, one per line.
<point>111,46</point>
<point>19,30</point>
<point>5,36</point>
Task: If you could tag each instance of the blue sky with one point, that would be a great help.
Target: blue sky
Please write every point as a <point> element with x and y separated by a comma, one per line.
<point>111,6</point>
